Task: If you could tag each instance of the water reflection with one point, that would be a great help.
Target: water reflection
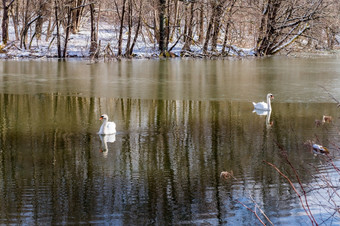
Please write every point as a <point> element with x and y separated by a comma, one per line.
<point>111,138</point>
<point>265,113</point>
<point>164,166</point>
<point>240,80</point>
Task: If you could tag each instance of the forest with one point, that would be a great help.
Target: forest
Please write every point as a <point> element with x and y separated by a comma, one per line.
<point>201,28</point>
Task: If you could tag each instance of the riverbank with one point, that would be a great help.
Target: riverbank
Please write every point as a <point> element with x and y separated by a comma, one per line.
<point>78,46</point>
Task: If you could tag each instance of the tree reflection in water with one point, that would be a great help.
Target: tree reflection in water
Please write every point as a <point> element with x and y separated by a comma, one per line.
<point>162,168</point>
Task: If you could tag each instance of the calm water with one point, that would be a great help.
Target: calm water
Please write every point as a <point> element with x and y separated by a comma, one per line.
<point>180,124</point>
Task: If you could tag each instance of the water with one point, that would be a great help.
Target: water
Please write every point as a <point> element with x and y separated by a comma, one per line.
<point>180,124</point>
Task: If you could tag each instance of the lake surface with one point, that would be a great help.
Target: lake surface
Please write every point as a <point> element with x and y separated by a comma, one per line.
<point>180,123</point>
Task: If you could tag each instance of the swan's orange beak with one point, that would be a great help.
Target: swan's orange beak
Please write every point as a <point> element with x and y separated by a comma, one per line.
<point>101,118</point>
<point>272,97</point>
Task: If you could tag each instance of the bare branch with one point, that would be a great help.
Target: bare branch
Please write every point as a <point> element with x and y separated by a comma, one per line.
<point>257,216</point>
<point>295,190</point>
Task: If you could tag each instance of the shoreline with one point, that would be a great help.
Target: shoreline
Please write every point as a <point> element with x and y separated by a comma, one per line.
<point>78,50</point>
<point>156,56</point>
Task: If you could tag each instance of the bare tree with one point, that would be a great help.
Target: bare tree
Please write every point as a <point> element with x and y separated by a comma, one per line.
<point>189,24</point>
<point>40,12</point>
<point>218,14</point>
<point>5,20</point>
<point>228,24</point>
<point>77,14</point>
<point>267,26</point>
<point>15,19</point>
<point>282,22</point>
<point>139,25</point>
<point>208,33</point>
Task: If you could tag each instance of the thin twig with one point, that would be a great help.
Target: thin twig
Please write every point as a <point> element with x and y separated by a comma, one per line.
<point>284,154</point>
<point>261,210</point>
<point>331,96</point>
<point>292,185</point>
<point>252,212</point>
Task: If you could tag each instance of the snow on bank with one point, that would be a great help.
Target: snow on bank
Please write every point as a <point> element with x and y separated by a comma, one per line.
<point>79,44</point>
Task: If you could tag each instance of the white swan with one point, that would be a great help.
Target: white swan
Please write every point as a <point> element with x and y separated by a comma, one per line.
<point>107,127</point>
<point>263,105</point>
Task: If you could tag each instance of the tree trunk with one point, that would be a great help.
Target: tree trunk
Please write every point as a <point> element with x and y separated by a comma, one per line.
<point>188,39</point>
<point>15,19</point>
<point>226,33</point>
<point>218,13</point>
<point>176,21</point>
<point>48,30</point>
<point>129,18</point>
<point>5,21</point>
<point>138,27</point>
<point>67,32</point>
<point>267,27</point>
<point>76,15</point>
<point>38,28</point>
<point>155,26</point>
<point>201,23</point>
<point>26,21</point>
<point>330,37</point>
<point>57,24</point>
<point>186,23</point>
<point>39,23</point>
<point>94,40</point>
<point>162,35</point>
<point>208,33</point>
<point>120,39</point>
<point>25,31</point>
<point>167,27</point>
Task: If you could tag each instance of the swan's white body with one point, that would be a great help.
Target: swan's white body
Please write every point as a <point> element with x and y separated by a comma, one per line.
<point>107,127</point>
<point>263,105</point>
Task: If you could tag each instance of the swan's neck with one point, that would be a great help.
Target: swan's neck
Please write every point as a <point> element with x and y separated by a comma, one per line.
<point>269,104</point>
<point>103,127</point>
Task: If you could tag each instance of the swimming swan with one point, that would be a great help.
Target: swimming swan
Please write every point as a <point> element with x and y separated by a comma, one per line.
<point>107,127</point>
<point>264,106</point>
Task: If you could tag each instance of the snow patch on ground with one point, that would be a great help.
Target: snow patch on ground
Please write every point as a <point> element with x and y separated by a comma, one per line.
<point>79,44</point>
